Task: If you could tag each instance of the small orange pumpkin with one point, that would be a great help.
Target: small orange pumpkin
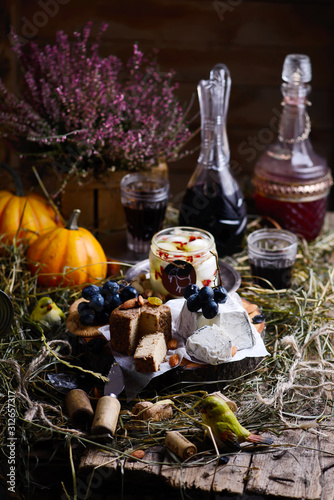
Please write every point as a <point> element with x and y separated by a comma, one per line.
<point>67,256</point>
<point>22,216</point>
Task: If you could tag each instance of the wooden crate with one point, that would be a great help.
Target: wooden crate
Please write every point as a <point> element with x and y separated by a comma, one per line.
<point>99,201</point>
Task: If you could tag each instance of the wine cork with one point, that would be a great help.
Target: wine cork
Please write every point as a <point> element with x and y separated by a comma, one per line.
<point>231,404</point>
<point>79,409</point>
<point>145,410</point>
<point>106,416</point>
<point>180,445</point>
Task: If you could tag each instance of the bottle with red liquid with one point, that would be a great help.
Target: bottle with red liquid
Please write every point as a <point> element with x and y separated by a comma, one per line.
<point>291,181</point>
<point>213,200</point>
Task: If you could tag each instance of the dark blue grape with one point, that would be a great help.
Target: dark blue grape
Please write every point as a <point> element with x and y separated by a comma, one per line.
<point>220,294</point>
<point>82,306</point>
<point>111,286</point>
<point>206,294</point>
<point>106,294</point>
<point>97,303</point>
<point>258,319</point>
<point>128,292</point>
<point>87,317</point>
<point>102,317</point>
<point>190,290</point>
<point>114,302</point>
<point>107,306</point>
<point>210,309</point>
<point>90,291</point>
<point>193,303</point>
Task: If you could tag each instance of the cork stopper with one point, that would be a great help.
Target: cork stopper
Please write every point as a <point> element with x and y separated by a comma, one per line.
<point>180,445</point>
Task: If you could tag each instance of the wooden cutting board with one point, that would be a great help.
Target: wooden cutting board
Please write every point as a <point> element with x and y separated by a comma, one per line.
<point>252,310</point>
<point>187,370</point>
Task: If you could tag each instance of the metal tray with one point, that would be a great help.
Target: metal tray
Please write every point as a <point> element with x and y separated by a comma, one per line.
<point>6,313</point>
<point>230,277</point>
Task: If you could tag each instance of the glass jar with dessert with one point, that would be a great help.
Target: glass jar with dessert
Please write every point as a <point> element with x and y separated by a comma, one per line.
<point>180,256</point>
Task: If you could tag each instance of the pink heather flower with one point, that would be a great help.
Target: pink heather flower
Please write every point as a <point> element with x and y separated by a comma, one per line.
<point>91,113</point>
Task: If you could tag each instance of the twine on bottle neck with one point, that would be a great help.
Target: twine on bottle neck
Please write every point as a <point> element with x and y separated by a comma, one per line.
<point>300,138</point>
<point>218,268</point>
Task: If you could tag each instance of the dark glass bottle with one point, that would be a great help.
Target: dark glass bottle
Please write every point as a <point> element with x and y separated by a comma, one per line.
<point>291,181</point>
<point>213,200</point>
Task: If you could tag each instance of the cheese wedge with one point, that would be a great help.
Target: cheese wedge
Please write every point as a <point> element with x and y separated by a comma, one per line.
<point>210,345</point>
<point>232,319</point>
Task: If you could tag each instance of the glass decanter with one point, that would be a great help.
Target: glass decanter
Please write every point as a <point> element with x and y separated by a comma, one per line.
<point>291,181</point>
<point>213,200</point>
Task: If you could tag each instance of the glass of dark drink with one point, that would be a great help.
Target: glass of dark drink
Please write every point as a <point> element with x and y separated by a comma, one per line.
<point>272,254</point>
<point>144,200</point>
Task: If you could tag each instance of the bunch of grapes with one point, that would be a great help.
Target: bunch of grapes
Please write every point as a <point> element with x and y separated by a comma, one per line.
<point>102,300</point>
<point>205,298</point>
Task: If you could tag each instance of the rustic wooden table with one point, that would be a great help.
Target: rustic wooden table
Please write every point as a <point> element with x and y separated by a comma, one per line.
<point>300,465</point>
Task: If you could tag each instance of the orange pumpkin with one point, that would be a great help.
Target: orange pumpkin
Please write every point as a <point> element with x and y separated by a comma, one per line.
<point>24,217</point>
<point>67,256</point>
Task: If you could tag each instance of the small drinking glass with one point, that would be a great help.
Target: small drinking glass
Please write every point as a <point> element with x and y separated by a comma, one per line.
<point>144,199</point>
<point>272,254</point>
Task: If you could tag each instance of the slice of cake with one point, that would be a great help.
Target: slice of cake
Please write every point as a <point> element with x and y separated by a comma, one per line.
<point>232,319</point>
<point>150,353</point>
<point>124,329</point>
<point>128,326</point>
<point>210,345</point>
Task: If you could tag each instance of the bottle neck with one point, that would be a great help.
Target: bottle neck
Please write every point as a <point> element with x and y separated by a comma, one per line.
<point>213,168</point>
<point>213,99</point>
<point>214,152</point>
<point>295,124</point>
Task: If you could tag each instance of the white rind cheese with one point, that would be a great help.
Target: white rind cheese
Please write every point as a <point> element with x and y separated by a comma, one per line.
<point>210,345</point>
<point>232,319</point>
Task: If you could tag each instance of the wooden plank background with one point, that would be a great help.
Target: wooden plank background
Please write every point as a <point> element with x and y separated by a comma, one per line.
<point>251,37</point>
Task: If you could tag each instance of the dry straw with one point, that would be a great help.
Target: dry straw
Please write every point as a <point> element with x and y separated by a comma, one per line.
<point>293,387</point>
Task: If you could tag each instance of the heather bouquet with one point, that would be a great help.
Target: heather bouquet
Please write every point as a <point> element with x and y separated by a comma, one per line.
<point>87,113</point>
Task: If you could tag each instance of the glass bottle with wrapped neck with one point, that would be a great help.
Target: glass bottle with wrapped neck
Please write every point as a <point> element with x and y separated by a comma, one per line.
<point>213,200</point>
<point>291,181</point>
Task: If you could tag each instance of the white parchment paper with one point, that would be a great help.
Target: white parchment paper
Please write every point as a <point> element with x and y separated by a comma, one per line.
<point>135,381</point>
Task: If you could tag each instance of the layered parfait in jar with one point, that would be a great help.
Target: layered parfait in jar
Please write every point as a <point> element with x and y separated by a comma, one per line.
<point>180,256</point>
